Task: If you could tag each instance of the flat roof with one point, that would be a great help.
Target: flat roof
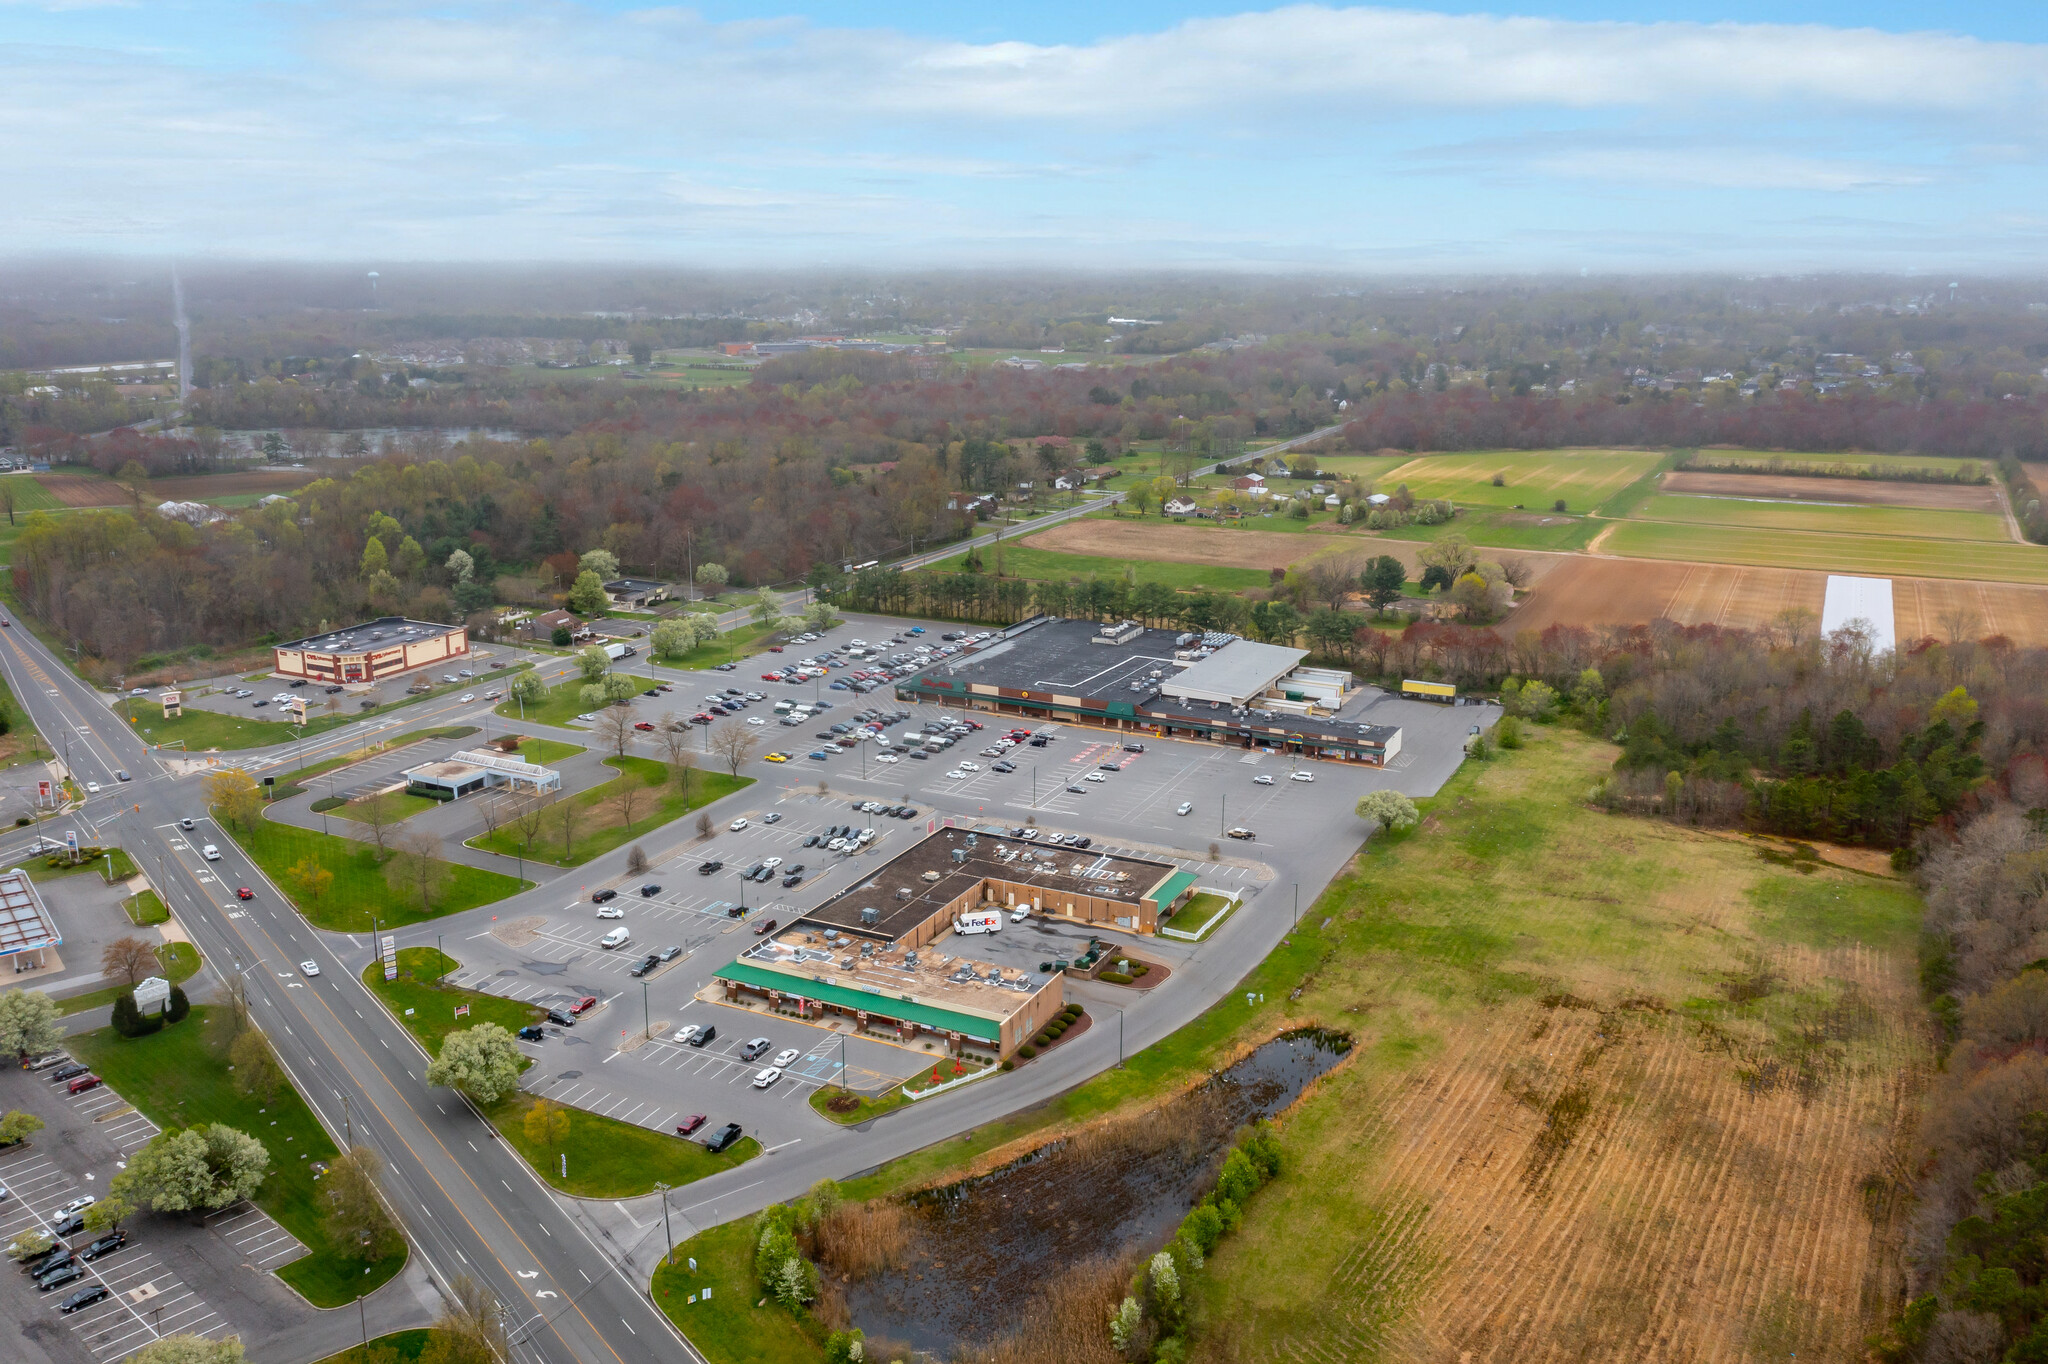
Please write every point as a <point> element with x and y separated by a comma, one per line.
<point>924,985</point>
<point>24,923</point>
<point>1235,673</point>
<point>383,633</point>
<point>1061,656</point>
<point>447,770</point>
<point>632,585</point>
<point>1104,875</point>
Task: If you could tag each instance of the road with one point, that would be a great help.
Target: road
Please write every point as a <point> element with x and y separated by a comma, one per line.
<point>469,1205</point>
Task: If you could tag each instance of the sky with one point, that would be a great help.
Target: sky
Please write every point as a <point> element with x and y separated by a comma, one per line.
<point>1572,135</point>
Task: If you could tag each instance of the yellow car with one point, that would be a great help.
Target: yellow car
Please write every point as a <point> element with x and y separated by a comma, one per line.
<point>778,757</point>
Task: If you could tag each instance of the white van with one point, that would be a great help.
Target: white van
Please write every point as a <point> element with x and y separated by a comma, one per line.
<point>980,921</point>
<point>784,707</point>
<point>618,937</point>
<point>210,853</point>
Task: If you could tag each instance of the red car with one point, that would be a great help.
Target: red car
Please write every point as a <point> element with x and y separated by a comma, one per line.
<point>244,893</point>
<point>644,725</point>
<point>585,1005</point>
<point>775,648</point>
<point>689,1124</point>
<point>765,926</point>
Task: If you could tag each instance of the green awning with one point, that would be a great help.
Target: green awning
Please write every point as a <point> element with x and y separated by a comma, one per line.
<point>1172,888</point>
<point>891,1006</point>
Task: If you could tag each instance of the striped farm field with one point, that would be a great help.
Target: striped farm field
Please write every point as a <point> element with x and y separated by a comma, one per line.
<point>1878,555</point>
<point>1534,479</point>
<point>29,495</point>
<point>1853,462</point>
<point>1766,514</point>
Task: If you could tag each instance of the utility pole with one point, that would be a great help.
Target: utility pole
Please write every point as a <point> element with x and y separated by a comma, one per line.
<point>348,1123</point>
<point>667,1235</point>
<point>647,1024</point>
<point>1297,904</point>
<point>1119,1039</point>
<point>1222,812</point>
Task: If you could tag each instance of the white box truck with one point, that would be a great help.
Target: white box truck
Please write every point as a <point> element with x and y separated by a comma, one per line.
<point>615,652</point>
<point>979,921</point>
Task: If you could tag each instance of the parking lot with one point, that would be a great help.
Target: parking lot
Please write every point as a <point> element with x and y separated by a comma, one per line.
<point>171,1277</point>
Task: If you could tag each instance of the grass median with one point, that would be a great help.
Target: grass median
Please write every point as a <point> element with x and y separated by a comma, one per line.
<point>180,1076</point>
<point>361,897</point>
<point>605,1158</point>
<point>642,790</point>
<point>728,1327</point>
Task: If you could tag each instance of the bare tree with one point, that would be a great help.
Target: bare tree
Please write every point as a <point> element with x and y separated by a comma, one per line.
<point>128,959</point>
<point>735,743</point>
<point>567,815</point>
<point>1516,571</point>
<point>636,861</point>
<point>417,866</point>
<point>527,823</point>
<point>615,729</point>
<point>1331,578</point>
<point>374,814</point>
<point>1960,621</point>
<point>675,742</point>
<point>704,826</point>
<point>627,798</point>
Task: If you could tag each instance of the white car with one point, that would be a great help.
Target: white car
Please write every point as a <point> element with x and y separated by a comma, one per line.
<point>785,1058</point>
<point>78,1204</point>
<point>610,912</point>
<point>210,853</point>
<point>1186,807</point>
<point>767,1077</point>
<point>736,826</point>
<point>466,696</point>
<point>970,767</point>
<point>92,787</point>
<point>837,845</point>
<point>1095,776</point>
<point>771,862</point>
<point>755,720</point>
<point>864,837</point>
<point>588,719</point>
<point>887,758</point>
<point>309,968</point>
<point>956,774</point>
<point>686,1032</point>
<point>1301,776</point>
<point>1263,779</point>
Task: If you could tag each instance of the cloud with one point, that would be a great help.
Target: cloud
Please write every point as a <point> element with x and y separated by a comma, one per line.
<point>1234,67</point>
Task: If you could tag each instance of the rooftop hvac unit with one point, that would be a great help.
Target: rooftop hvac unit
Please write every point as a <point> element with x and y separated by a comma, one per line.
<point>1181,641</point>
<point>1216,639</point>
<point>870,916</point>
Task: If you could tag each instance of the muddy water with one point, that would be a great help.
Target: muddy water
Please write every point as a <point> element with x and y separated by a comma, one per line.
<point>982,1248</point>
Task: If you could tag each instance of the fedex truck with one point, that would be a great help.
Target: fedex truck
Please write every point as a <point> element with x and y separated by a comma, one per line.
<point>980,921</point>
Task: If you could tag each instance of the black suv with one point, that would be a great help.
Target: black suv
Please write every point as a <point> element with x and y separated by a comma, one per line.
<point>598,897</point>
<point>724,1136</point>
<point>701,1038</point>
<point>70,1072</point>
<point>649,891</point>
<point>560,1019</point>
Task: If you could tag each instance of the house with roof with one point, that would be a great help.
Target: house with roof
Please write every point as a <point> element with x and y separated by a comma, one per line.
<point>1180,506</point>
<point>1249,483</point>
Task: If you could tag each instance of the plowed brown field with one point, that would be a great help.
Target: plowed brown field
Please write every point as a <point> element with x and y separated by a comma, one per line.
<point>199,487</point>
<point>1854,491</point>
<point>76,490</point>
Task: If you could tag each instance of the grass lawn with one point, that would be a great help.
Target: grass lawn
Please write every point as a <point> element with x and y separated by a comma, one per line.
<point>180,1077</point>
<point>30,495</point>
<point>547,752</point>
<point>602,825</point>
<point>612,1159</point>
<point>559,707</point>
<point>114,860</point>
<point>180,961</point>
<point>1918,522</point>
<point>1371,469</point>
<point>433,1004</point>
<point>732,647</point>
<point>1046,565</point>
<point>1508,529</point>
<point>145,909</point>
<point>1880,555</point>
<point>607,1159</point>
<point>296,783</point>
<point>359,889</point>
<point>406,1345</point>
<point>1197,913</point>
<point>871,1106</point>
<point>395,805</point>
<point>728,1328</point>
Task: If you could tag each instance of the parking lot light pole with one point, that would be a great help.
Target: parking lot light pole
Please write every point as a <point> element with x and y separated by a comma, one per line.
<point>647,1022</point>
<point>1222,812</point>
<point>666,1234</point>
<point>1119,1039</point>
<point>1297,904</point>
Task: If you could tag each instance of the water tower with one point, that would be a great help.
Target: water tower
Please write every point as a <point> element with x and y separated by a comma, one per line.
<point>373,288</point>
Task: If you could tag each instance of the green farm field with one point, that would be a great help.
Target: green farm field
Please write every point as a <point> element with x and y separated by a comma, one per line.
<point>1531,478</point>
<point>1880,555</point>
<point>1760,514</point>
<point>1855,461</point>
<point>1052,566</point>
